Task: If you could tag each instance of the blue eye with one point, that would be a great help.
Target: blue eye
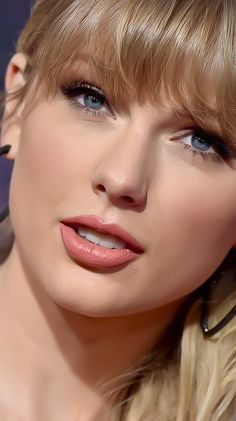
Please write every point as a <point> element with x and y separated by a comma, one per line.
<point>199,143</point>
<point>91,101</point>
<point>206,145</point>
<point>87,98</point>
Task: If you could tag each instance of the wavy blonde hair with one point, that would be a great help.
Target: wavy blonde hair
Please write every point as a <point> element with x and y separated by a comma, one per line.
<point>182,50</point>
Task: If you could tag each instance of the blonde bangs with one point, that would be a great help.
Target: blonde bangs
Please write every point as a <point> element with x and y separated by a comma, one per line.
<point>179,51</point>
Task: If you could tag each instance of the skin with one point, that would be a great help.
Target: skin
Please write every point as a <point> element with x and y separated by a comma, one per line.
<point>61,314</point>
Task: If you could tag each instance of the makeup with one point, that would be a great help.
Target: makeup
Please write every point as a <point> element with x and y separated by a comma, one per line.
<point>95,255</point>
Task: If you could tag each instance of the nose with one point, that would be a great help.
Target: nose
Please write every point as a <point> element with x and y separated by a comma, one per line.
<point>123,174</point>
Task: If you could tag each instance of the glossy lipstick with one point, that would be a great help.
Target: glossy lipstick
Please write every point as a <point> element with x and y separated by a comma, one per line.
<point>95,255</point>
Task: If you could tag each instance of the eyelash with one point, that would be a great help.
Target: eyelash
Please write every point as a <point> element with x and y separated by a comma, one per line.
<point>223,152</point>
<point>71,90</point>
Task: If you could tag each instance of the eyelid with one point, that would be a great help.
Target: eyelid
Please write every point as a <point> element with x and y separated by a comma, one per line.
<point>90,87</point>
<point>217,142</point>
<point>77,82</point>
<point>223,152</point>
<point>71,88</point>
<point>213,138</point>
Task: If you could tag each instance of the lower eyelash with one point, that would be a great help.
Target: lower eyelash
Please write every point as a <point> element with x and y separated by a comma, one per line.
<point>71,90</point>
<point>82,109</point>
<point>204,155</point>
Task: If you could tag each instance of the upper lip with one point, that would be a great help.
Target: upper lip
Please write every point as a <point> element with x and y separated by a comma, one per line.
<point>96,223</point>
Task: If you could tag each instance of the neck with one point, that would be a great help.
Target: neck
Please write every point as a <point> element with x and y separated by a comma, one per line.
<point>65,360</point>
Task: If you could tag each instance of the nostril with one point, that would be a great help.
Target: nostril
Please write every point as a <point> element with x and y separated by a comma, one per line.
<point>128,199</point>
<point>100,187</point>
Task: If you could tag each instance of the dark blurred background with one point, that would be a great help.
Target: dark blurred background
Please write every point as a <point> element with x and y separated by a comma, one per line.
<point>13,15</point>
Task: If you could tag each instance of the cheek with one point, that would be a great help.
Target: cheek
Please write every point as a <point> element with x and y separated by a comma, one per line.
<point>195,227</point>
<point>52,158</point>
<point>205,217</point>
<point>50,176</point>
<point>199,204</point>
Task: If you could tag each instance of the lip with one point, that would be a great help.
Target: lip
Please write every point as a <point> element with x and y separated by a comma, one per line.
<point>94,255</point>
<point>93,221</point>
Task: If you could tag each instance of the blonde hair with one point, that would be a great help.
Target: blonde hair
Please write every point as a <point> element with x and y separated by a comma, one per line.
<point>150,50</point>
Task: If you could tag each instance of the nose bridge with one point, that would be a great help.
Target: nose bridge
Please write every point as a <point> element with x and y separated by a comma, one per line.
<point>124,172</point>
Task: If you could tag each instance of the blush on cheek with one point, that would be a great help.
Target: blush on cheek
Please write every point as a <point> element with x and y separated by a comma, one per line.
<point>192,239</point>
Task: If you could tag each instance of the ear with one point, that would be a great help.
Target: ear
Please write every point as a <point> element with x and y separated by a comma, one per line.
<point>11,123</point>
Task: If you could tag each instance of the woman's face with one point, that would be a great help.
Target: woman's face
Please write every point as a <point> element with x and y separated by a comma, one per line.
<point>142,169</point>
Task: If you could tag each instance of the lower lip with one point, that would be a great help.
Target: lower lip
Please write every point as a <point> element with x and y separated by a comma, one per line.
<point>91,254</point>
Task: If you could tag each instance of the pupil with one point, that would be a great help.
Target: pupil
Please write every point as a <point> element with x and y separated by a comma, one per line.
<point>199,143</point>
<point>92,102</point>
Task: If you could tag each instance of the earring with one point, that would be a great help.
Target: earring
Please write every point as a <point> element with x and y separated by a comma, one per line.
<point>207,298</point>
<point>3,215</point>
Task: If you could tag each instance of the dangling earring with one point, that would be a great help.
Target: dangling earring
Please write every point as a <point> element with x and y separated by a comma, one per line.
<point>3,215</point>
<point>207,298</point>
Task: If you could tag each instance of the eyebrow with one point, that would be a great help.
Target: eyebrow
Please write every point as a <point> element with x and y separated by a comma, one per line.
<point>82,67</point>
<point>87,59</point>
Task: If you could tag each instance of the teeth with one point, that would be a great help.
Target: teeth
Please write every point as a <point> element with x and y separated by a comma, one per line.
<point>82,231</point>
<point>103,240</point>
